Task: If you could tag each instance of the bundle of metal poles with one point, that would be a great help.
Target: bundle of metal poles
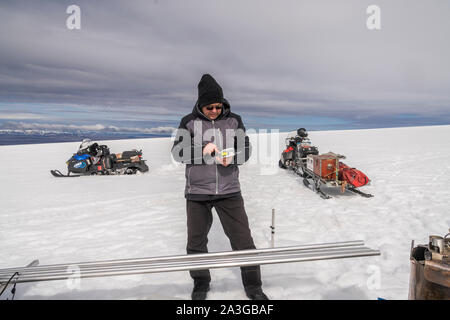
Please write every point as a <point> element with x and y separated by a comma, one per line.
<point>336,250</point>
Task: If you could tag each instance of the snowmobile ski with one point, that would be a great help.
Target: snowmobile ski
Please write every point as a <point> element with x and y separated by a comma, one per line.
<point>58,174</point>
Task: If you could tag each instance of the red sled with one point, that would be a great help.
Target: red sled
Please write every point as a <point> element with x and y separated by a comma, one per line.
<point>352,176</point>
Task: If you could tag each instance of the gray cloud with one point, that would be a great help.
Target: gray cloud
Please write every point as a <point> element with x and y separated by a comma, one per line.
<point>19,116</point>
<point>294,57</point>
<point>23,126</point>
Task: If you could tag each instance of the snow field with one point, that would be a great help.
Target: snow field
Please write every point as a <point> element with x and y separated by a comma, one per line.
<point>113,217</point>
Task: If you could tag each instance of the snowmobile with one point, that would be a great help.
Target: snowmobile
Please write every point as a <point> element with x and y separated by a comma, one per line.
<point>94,159</point>
<point>317,169</point>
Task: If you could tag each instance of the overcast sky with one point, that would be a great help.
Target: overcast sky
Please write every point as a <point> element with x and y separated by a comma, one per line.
<point>281,63</point>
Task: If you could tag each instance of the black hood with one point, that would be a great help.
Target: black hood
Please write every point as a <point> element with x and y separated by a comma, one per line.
<point>225,111</point>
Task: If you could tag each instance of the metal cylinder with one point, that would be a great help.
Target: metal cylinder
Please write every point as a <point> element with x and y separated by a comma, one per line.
<point>429,279</point>
<point>436,243</point>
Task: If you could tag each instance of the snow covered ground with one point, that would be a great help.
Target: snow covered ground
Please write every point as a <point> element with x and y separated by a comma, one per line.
<point>108,217</point>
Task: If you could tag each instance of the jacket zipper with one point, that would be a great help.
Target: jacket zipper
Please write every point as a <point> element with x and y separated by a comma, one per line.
<point>189,179</point>
<point>217,175</point>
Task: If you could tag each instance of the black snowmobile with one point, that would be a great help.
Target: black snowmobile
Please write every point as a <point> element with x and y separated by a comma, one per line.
<point>97,160</point>
<point>297,149</point>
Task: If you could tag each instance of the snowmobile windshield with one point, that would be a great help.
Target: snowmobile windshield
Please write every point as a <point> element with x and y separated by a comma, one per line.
<point>86,143</point>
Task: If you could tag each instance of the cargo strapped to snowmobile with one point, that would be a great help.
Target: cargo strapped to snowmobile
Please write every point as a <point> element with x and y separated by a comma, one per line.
<point>93,269</point>
<point>327,170</point>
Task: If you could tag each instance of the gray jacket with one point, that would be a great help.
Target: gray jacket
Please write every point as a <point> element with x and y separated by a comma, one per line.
<point>203,175</point>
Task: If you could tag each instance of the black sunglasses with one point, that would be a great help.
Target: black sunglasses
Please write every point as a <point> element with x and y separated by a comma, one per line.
<point>209,108</point>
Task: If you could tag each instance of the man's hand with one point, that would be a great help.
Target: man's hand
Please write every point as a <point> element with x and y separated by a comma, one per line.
<point>224,161</point>
<point>210,148</point>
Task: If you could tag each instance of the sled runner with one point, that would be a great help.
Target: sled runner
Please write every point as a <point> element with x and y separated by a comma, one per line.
<point>96,159</point>
<point>320,170</point>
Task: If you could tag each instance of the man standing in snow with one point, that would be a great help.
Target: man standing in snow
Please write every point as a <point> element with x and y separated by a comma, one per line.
<point>212,181</point>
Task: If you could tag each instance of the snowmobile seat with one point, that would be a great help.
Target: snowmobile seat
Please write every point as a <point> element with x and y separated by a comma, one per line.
<point>129,154</point>
<point>292,143</point>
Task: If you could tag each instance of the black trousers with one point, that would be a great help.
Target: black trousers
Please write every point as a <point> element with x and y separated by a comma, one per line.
<point>234,221</point>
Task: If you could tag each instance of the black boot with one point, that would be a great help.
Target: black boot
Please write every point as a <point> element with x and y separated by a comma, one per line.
<point>256,295</point>
<point>200,290</point>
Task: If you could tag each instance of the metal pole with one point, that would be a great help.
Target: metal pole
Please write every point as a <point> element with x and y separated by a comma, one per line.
<point>189,257</point>
<point>272,227</point>
<point>192,265</point>
<point>194,261</point>
<point>232,263</point>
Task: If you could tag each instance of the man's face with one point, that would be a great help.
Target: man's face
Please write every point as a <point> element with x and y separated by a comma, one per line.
<point>212,111</point>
